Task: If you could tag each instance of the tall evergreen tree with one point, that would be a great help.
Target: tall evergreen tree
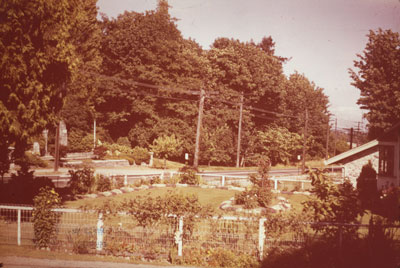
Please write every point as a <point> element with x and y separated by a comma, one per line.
<point>377,76</point>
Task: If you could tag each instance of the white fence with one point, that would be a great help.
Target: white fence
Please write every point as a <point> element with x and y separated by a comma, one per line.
<point>88,232</point>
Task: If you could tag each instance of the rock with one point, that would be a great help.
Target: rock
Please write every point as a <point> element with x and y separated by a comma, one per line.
<point>159,185</point>
<point>116,191</point>
<point>107,194</point>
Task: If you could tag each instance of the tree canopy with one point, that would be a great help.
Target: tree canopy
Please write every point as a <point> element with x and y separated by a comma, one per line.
<point>140,79</point>
<point>37,62</point>
<point>377,76</point>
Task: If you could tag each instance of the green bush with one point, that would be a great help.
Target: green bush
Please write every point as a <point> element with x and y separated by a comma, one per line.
<point>34,160</point>
<point>247,199</point>
<point>44,219</point>
<point>140,155</point>
<point>102,183</point>
<point>367,187</point>
<point>124,141</point>
<point>155,180</point>
<point>255,197</point>
<point>82,239</point>
<point>189,176</point>
<point>100,152</point>
<point>82,180</point>
<point>79,141</point>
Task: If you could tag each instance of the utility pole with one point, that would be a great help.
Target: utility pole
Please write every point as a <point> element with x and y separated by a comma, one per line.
<point>327,140</point>
<point>358,135</point>
<point>200,117</point>
<point>334,152</point>
<point>57,149</point>
<point>303,167</point>
<point>351,138</point>
<point>94,133</point>
<point>239,131</point>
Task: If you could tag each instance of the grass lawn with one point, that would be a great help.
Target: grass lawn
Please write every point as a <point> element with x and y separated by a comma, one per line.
<point>213,197</point>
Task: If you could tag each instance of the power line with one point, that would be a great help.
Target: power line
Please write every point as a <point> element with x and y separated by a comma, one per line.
<point>186,91</point>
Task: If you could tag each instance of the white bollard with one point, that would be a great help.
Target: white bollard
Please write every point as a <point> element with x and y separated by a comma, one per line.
<point>222,181</point>
<point>125,180</point>
<point>100,233</point>
<point>19,228</point>
<point>275,183</point>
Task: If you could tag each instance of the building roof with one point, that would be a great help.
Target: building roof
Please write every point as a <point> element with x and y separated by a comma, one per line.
<point>361,148</point>
<point>351,152</point>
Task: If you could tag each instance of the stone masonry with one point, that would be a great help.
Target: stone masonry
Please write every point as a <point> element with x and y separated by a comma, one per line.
<point>354,164</point>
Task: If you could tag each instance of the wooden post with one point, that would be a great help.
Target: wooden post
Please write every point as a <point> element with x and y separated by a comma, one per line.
<point>57,152</point>
<point>239,131</point>
<point>198,132</point>
<point>303,166</point>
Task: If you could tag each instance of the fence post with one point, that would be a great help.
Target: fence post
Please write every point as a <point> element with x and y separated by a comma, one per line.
<point>100,233</point>
<point>179,236</point>
<point>222,181</point>
<point>261,238</point>
<point>125,180</point>
<point>19,228</point>
<point>275,183</point>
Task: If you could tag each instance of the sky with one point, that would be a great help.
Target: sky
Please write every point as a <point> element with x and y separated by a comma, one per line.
<point>321,37</point>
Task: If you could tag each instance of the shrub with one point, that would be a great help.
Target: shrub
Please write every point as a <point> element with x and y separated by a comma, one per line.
<point>23,187</point>
<point>247,199</point>
<point>44,219</point>
<point>155,180</point>
<point>81,181</point>
<point>102,183</point>
<point>82,239</point>
<point>140,155</point>
<point>100,152</point>
<point>367,187</point>
<point>79,141</point>
<point>124,141</point>
<point>34,160</point>
<point>189,176</point>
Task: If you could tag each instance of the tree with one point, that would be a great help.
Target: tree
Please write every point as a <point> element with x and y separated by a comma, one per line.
<point>337,205</point>
<point>37,61</point>
<point>377,76</point>
<point>166,146</point>
<point>279,144</point>
<point>300,95</point>
<point>367,187</point>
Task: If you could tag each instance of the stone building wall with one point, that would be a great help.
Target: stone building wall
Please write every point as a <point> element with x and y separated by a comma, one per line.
<point>354,164</point>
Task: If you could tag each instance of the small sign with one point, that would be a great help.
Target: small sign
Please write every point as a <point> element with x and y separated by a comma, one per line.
<point>298,157</point>
<point>186,156</point>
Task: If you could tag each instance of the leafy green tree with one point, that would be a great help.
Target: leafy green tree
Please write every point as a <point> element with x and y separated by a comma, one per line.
<point>279,144</point>
<point>300,95</point>
<point>377,76</point>
<point>44,219</point>
<point>243,68</point>
<point>166,146</point>
<point>337,205</point>
<point>37,62</point>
